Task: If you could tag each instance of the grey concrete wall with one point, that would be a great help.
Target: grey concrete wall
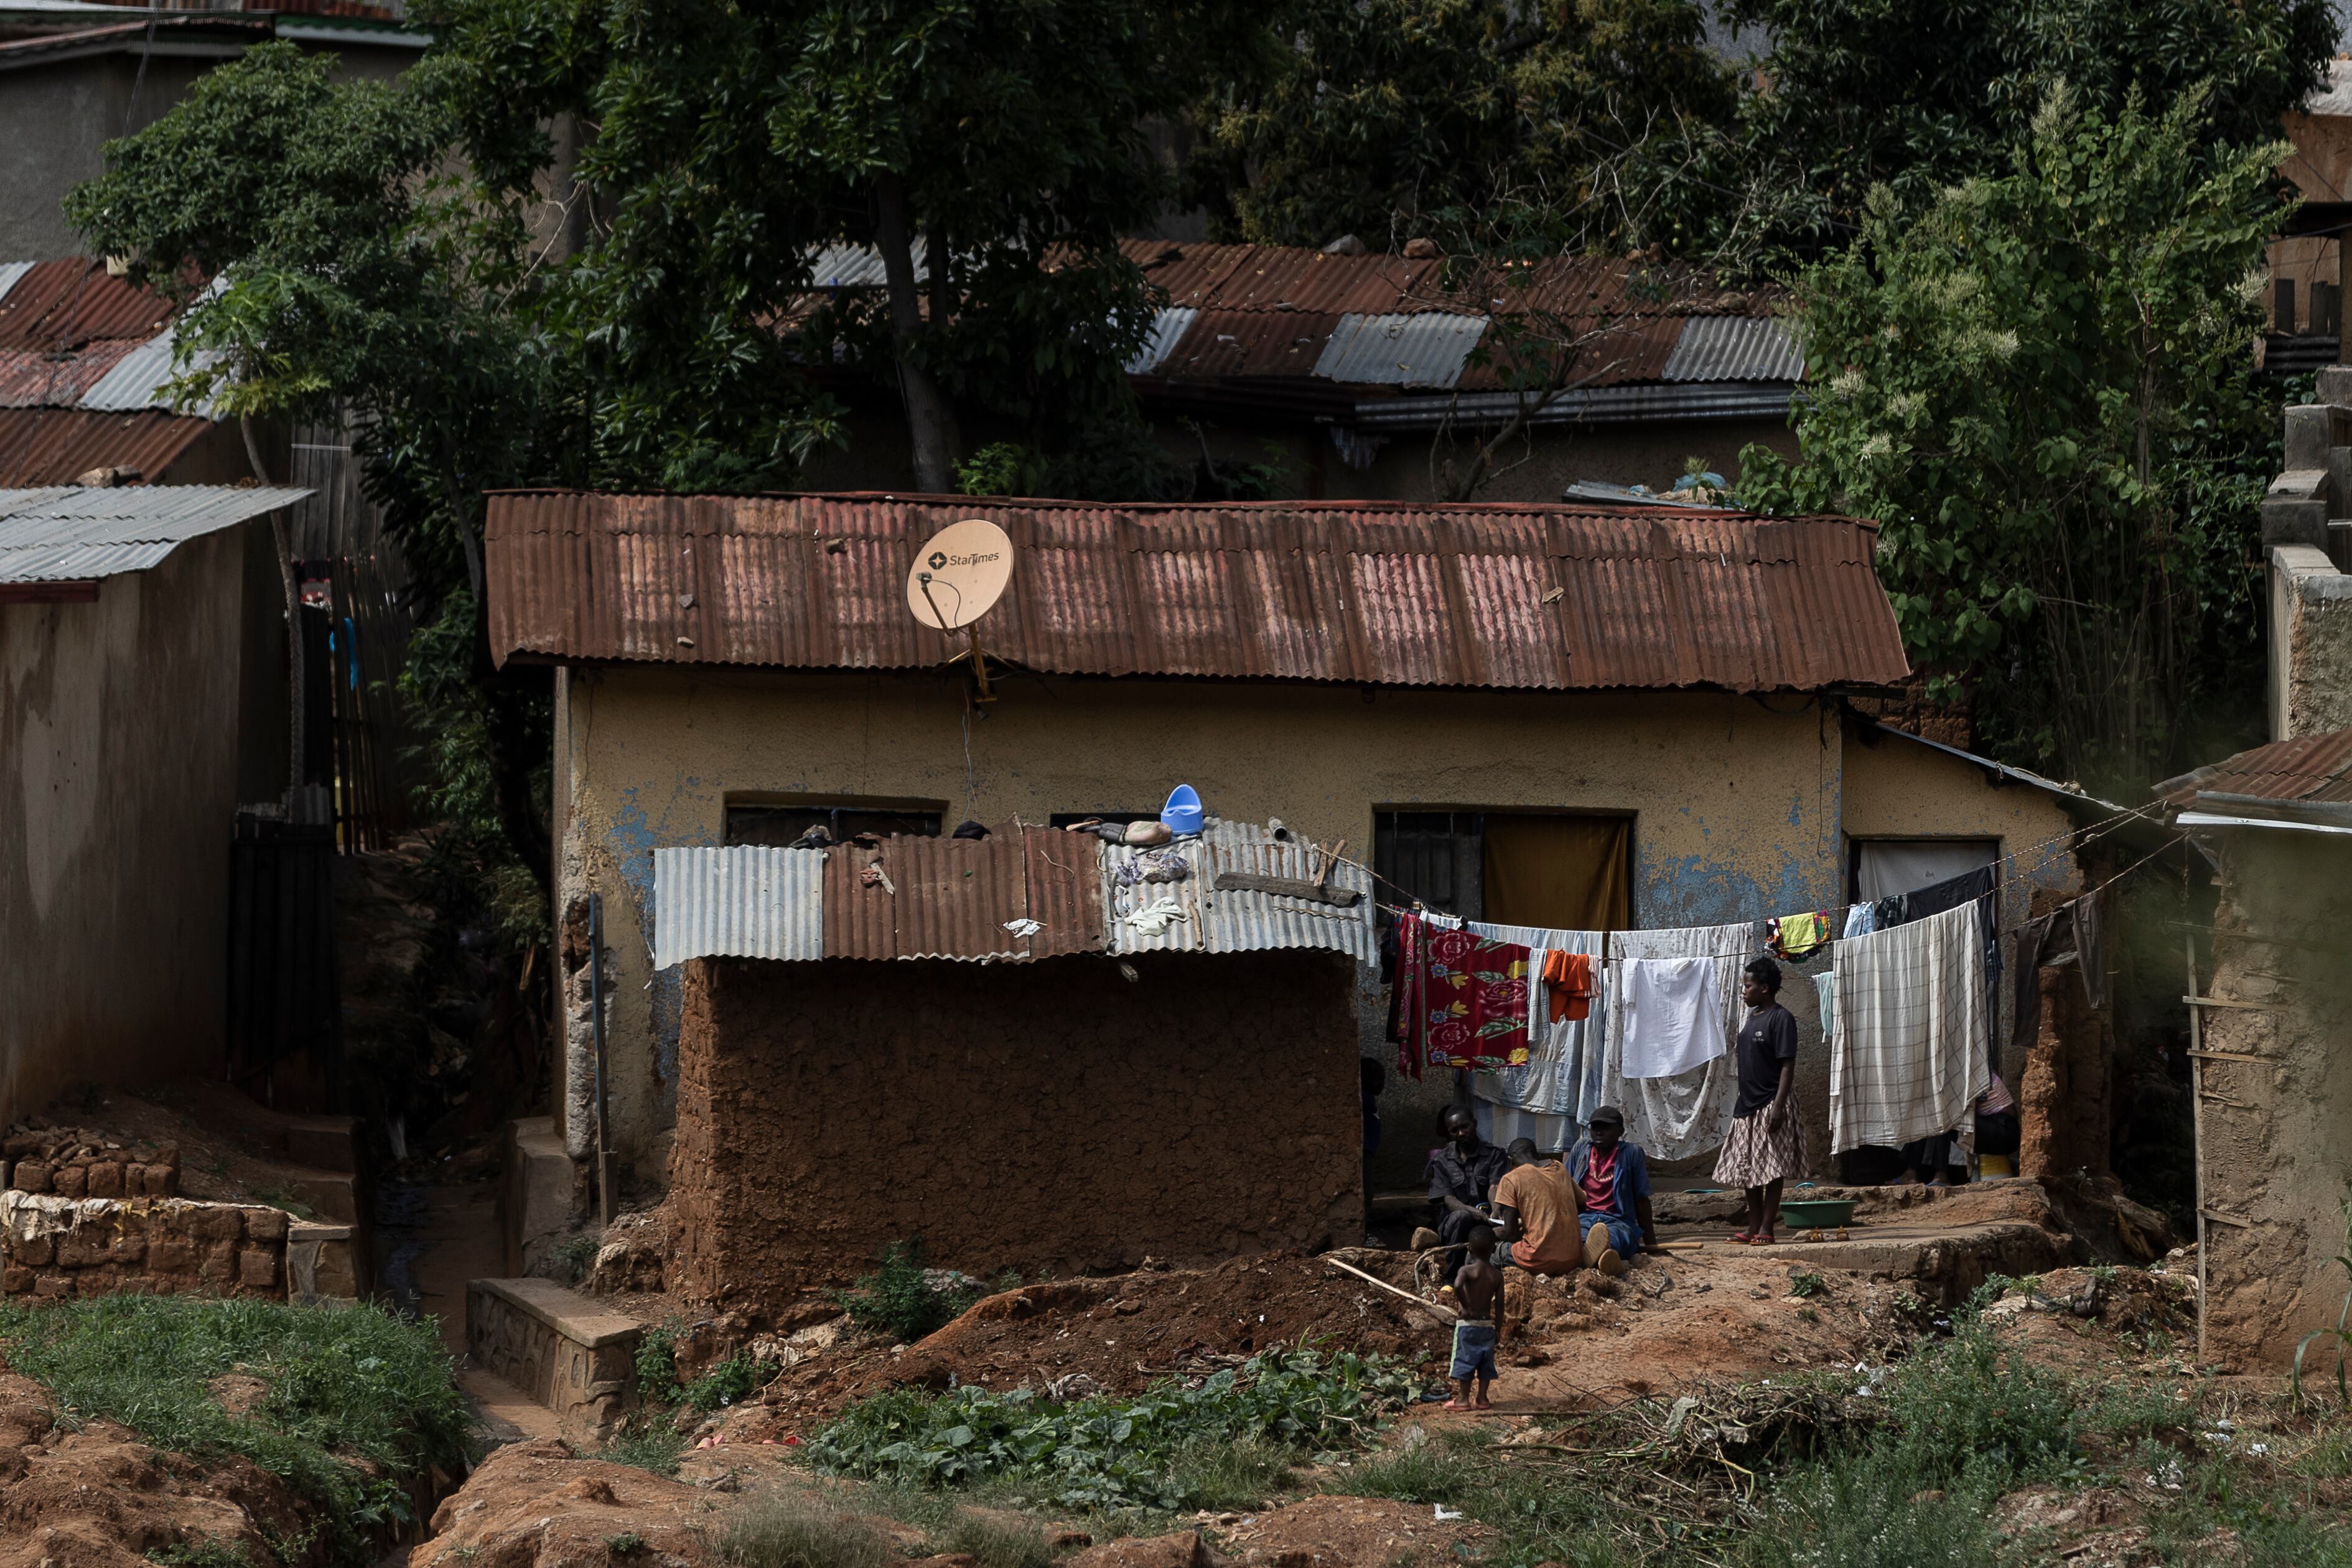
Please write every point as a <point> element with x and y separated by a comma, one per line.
<point>2311,643</point>
<point>55,120</point>
<point>2277,1134</point>
<point>119,772</point>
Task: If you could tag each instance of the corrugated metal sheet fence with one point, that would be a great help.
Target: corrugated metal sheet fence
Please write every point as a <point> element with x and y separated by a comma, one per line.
<point>347,560</point>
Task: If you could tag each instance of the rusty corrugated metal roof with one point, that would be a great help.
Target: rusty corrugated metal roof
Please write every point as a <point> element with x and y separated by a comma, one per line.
<point>64,304</point>
<point>1238,343</point>
<point>958,898</point>
<point>32,379</point>
<point>1275,278</point>
<point>58,446</point>
<point>2306,768</point>
<point>1487,595</point>
<point>1247,311</point>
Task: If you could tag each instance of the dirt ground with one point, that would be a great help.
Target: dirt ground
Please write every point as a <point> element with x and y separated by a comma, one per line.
<point>1720,1323</point>
<point>97,1497</point>
<point>214,1165</point>
<point>536,1505</point>
<point>1119,1334</point>
<point>1576,1342</point>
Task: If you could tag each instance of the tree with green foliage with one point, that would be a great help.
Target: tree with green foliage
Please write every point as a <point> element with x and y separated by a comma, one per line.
<point>992,153</point>
<point>329,266</point>
<point>1856,94</point>
<point>1391,119</point>
<point>575,245</point>
<point>2043,386</point>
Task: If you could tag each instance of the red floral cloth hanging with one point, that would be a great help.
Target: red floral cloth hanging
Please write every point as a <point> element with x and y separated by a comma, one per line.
<point>1459,1001</point>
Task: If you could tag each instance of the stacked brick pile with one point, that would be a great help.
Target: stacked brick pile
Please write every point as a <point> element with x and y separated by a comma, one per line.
<point>52,1248</point>
<point>74,1163</point>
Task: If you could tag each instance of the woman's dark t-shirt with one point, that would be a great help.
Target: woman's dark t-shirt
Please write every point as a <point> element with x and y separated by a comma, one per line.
<point>1766,1040</point>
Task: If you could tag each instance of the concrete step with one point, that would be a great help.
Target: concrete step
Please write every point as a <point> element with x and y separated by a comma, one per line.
<point>539,1199</point>
<point>575,1356</point>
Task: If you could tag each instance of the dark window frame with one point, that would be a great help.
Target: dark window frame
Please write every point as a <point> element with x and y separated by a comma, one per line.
<point>779,820</point>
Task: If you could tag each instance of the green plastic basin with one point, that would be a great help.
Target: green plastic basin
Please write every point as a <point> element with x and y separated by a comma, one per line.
<point>1813,1213</point>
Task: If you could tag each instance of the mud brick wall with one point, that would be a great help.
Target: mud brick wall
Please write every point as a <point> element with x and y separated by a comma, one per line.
<point>75,1164</point>
<point>1043,1117</point>
<point>53,1247</point>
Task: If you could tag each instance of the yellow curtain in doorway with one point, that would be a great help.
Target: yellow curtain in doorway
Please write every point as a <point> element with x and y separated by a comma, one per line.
<point>1565,873</point>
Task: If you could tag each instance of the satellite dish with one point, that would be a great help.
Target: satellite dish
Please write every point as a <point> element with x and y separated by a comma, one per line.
<point>958,573</point>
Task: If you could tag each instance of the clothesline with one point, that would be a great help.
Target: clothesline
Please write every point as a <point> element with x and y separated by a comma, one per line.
<point>2073,838</point>
<point>1841,909</point>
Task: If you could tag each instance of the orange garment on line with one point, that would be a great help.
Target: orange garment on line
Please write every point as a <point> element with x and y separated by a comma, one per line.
<point>1568,981</point>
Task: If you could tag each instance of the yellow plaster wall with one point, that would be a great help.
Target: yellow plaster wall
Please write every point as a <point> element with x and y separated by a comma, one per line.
<point>1737,804</point>
<point>1898,789</point>
<point>1743,808</point>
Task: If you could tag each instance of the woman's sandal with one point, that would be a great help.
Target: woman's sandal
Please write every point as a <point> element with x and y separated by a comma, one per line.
<point>1742,1238</point>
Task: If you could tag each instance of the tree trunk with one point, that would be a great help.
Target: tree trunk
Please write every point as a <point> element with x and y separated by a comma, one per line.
<point>928,418</point>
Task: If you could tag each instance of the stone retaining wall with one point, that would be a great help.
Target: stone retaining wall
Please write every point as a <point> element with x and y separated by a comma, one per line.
<point>53,1247</point>
<point>76,1163</point>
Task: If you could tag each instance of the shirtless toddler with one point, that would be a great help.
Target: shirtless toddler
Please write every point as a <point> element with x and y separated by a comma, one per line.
<point>1479,1290</point>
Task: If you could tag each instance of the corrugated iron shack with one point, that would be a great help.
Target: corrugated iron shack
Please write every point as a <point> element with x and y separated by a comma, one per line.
<point>1545,715</point>
<point>144,695</point>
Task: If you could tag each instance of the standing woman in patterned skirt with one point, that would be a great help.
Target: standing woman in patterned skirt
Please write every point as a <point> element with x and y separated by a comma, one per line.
<point>1766,1143</point>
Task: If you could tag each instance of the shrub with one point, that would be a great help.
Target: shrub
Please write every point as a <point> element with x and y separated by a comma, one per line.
<point>899,1299</point>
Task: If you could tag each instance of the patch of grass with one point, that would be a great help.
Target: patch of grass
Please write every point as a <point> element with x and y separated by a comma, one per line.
<point>200,1554</point>
<point>628,1543</point>
<point>657,1365</point>
<point>2330,1458</point>
<point>1542,1519</point>
<point>1808,1285</point>
<point>646,1444</point>
<point>280,1198</point>
<point>994,1541</point>
<point>898,1299</point>
<point>1870,1510</point>
<point>794,1531</point>
<point>728,1382</point>
<point>360,1403</point>
<point>1113,1452</point>
<point>1239,1475</point>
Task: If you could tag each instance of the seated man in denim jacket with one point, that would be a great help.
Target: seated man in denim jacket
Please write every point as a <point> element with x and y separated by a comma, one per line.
<point>1610,1181</point>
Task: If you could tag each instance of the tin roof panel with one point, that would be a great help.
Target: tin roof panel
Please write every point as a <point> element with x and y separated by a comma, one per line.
<point>1383,594</point>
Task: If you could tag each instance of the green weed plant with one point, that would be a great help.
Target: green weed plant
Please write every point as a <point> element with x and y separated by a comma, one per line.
<point>1115,1452</point>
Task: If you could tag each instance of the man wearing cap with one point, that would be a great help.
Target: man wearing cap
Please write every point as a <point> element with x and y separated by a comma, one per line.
<point>1610,1180</point>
